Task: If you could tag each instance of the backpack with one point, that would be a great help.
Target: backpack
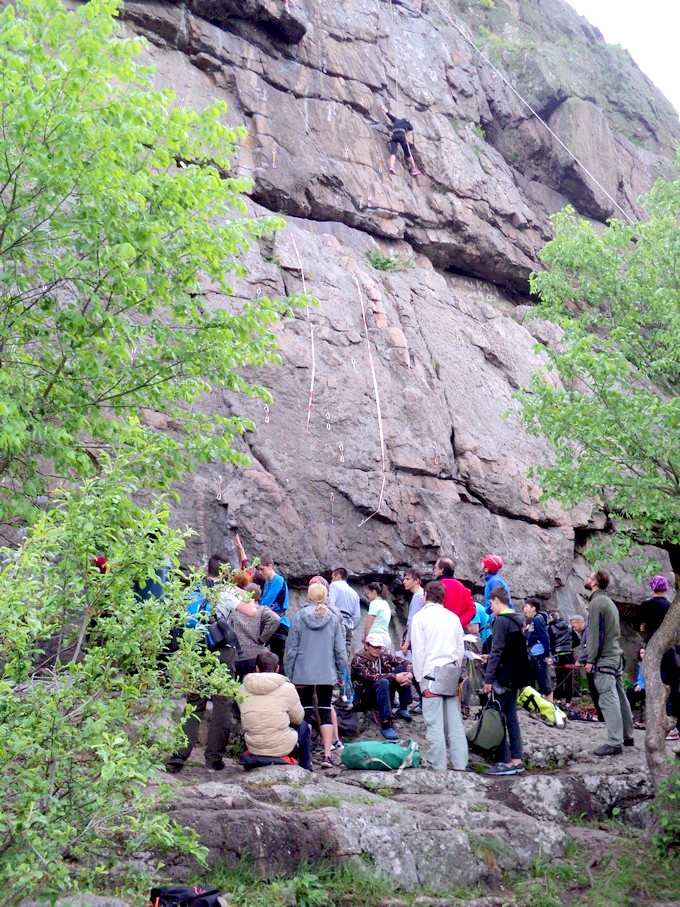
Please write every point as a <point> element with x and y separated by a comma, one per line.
<point>541,708</point>
<point>381,755</point>
<point>185,896</point>
<point>487,734</point>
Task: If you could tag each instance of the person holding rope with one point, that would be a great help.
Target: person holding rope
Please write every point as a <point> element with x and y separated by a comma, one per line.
<point>400,127</point>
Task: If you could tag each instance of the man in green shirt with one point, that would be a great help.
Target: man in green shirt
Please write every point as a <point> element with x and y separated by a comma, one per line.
<point>605,662</point>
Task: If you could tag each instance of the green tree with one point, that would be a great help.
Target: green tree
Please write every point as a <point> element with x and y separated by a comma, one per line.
<point>85,690</point>
<point>116,210</point>
<point>609,402</point>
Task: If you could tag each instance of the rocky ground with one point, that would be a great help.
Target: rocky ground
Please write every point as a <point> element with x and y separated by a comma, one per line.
<point>420,829</point>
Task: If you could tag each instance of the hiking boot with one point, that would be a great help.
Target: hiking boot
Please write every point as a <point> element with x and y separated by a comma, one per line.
<point>404,714</point>
<point>607,750</point>
<point>174,765</point>
<point>628,741</point>
<point>673,735</point>
<point>215,765</point>
<point>416,710</point>
<point>389,733</point>
<point>503,769</point>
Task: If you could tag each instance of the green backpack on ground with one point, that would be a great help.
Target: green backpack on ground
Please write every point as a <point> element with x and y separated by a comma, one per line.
<point>378,755</point>
<point>541,707</point>
<point>486,736</point>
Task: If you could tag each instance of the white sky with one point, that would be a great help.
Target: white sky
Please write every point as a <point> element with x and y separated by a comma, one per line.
<point>649,29</point>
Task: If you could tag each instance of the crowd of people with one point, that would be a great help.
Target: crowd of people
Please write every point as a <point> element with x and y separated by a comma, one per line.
<point>297,671</point>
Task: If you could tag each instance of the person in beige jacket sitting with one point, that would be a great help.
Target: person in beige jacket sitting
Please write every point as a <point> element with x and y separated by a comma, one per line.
<point>272,716</point>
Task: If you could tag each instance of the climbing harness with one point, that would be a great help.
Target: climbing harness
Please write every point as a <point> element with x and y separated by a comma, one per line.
<point>377,404</point>
<point>534,112</point>
<point>311,335</point>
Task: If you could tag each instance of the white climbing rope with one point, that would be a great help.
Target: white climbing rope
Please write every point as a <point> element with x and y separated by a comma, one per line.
<point>311,337</point>
<point>377,404</point>
<point>535,113</point>
<point>394,55</point>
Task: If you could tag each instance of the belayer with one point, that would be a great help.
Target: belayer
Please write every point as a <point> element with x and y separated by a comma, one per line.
<point>400,127</point>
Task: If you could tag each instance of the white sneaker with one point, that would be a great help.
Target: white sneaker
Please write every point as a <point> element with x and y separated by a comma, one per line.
<point>338,745</point>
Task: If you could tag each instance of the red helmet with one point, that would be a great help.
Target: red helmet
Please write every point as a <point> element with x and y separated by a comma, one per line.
<point>492,563</point>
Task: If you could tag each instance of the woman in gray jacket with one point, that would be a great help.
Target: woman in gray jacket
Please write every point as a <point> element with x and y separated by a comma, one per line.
<point>315,660</point>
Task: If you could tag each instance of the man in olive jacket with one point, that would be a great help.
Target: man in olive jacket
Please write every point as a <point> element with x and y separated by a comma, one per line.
<point>605,662</point>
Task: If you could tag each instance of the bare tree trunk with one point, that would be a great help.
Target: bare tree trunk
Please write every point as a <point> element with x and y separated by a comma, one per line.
<point>657,722</point>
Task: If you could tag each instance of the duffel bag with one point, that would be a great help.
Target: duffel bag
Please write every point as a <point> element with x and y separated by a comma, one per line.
<point>383,756</point>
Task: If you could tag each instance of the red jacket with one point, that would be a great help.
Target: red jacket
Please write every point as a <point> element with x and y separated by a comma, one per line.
<point>458,598</point>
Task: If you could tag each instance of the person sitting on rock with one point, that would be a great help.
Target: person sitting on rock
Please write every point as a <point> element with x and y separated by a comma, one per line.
<point>377,676</point>
<point>272,716</point>
<point>400,127</point>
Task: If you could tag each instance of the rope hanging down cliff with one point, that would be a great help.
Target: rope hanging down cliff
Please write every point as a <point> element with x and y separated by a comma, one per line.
<point>523,100</point>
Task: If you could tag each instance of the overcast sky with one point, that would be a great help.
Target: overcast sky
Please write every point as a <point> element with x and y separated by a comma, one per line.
<point>649,29</point>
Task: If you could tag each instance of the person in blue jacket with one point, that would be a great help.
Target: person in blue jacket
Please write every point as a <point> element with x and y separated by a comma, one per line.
<point>491,565</point>
<point>636,694</point>
<point>275,596</point>
<point>538,643</point>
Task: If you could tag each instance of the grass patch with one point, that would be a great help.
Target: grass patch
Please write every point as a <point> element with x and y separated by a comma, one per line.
<point>389,262</point>
<point>630,874</point>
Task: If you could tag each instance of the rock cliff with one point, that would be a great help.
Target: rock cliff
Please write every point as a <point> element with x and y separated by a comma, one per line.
<point>439,263</point>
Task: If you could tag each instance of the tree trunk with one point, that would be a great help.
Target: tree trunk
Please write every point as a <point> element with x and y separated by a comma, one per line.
<point>656,721</point>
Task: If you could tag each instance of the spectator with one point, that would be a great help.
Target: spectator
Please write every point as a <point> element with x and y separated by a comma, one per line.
<point>272,716</point>
<point>506,672</point>
<point>562,642</point>
<point>538,643</point>
<point>377,676</point>
<point>342,597</point>
<point>636,694</point>
<point>652,612</point>
<point>223,709</point>
<point>457,597</point>
<point>491,565</point>
<point>253,634</point>
<point>580,628</point>
<point>315,661</point>
<point>275,596</point>
<point>379,615</point>
<point>437,641</point>
<point>605,660</point>
<point>411,583</point>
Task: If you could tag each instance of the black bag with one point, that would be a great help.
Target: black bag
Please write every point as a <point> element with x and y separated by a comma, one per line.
<point>223,635</point>
<point>185,896</point>
<point>487,734</point>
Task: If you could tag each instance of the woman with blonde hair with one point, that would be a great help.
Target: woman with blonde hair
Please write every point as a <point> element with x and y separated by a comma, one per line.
<point>315,660</point>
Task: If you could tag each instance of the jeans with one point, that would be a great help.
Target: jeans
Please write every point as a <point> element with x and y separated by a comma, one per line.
<point>443,722</point>
<point>540,669</point>
<point>615,708</point>
<point>302,751</point>
<point>380,696</point>
<point>512,745</point>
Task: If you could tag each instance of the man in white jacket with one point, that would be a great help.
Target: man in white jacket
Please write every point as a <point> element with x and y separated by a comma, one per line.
<point>437,640</point>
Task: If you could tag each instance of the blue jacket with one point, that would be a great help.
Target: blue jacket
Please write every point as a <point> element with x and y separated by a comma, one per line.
<point>492,580</point>
<point>538,636</point>
<point>482,618</point>
<point>275,596</point>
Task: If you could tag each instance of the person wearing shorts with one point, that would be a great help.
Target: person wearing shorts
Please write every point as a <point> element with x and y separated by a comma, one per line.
<point>400,127</point>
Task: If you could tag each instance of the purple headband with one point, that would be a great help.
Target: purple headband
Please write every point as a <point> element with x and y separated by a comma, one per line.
<point>658,584</point>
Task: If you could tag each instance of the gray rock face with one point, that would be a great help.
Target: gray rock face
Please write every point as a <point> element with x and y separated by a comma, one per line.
<point>444,344</point>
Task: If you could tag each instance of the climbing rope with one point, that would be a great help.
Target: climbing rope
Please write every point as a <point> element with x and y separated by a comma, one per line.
<point>377,404</point>
<point>394,54</point>
<point>311,336</point>
<point>535,113</point>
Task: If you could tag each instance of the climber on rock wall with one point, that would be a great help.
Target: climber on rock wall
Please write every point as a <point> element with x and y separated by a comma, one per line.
<point>400,127</point>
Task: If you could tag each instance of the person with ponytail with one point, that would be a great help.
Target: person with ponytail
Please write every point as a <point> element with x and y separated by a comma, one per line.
<point>315,660</point>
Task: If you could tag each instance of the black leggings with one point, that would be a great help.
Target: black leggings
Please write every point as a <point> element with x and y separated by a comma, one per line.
<point>397,139</point>
<point>324,694</point>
